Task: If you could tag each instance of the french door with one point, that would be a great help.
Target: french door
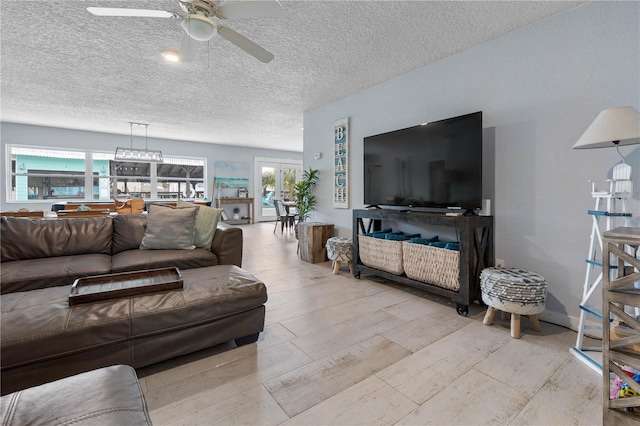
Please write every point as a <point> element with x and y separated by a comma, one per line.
<point>275,179</point>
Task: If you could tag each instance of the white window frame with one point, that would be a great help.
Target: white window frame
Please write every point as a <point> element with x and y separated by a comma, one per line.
<point>88,173</point>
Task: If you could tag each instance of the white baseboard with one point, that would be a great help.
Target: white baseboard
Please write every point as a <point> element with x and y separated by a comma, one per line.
<point>572,323</point>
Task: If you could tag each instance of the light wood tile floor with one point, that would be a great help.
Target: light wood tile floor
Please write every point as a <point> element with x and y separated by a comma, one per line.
<point>342,351</point>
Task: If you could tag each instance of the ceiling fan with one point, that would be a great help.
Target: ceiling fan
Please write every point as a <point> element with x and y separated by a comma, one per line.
<point>197,20</point>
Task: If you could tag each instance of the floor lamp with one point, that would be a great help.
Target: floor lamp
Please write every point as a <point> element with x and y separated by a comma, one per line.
<point>613,127</point>
<point>617,126</point>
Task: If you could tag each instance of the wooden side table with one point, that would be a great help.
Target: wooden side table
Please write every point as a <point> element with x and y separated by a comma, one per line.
<point>312,240</point>
<point>237,200</point>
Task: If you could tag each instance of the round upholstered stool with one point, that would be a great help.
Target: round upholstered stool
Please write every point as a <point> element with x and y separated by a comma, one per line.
<point>514,291</point>
<point>340,250</point>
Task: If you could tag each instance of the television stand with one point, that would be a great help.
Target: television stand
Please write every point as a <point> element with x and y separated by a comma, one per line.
<point>475,234</point>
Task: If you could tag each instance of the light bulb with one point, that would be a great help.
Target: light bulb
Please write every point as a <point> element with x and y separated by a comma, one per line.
<point>171,55</point>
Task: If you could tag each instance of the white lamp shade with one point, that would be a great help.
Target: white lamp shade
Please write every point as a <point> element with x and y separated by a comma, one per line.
<point>620,124</point>
<point>198,27</point>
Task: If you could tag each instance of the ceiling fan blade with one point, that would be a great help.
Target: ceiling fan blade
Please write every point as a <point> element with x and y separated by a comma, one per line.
<point>187,49</point>
<point>250,9</point>
<point>245,44</point>
<point>116,11</point>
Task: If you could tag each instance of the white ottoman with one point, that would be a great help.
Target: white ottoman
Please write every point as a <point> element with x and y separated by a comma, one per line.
<point>514,291</point>
<point>340,249</point>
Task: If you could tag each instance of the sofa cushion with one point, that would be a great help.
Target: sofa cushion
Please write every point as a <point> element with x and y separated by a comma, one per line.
<point>106,396</point>
<point>169,228</point>
<point>132,260</point>
<point>24,238</point>
<point>31,274</point>
<point>206,223</point>
<point>128,230</point>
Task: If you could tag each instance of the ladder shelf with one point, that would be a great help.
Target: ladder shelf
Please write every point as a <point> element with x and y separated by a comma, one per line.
<point>592,355</point>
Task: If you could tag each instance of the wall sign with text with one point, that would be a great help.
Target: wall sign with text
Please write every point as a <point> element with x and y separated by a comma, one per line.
<point>341,163</point>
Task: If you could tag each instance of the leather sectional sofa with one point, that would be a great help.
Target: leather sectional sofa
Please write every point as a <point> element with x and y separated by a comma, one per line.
<point>37,253</point>
<point>44,338</point>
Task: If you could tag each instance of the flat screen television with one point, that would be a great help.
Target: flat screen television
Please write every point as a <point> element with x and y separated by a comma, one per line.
<point>434,165</point>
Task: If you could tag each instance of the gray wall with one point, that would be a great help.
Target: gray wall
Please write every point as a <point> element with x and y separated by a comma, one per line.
<point>19,134</point>
<point>539,88</point>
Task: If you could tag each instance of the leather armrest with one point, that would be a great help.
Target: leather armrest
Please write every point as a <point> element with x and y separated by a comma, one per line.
<point>227,244</point>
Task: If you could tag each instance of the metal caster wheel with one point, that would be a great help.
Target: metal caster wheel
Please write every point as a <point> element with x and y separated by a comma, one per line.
<point>462,310</point>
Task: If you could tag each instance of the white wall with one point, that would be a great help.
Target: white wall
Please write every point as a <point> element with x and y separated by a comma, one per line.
<point>539,88</point>
<point>11,133</point>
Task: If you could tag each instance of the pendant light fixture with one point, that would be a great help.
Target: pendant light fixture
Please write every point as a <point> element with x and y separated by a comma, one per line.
<point>145,155</point>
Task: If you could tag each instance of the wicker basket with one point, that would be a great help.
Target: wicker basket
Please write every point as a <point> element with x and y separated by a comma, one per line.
<point>433,265</point>
<point>385,255</point>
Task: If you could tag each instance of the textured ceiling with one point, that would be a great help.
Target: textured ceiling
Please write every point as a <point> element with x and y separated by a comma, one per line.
<point>63,67</point>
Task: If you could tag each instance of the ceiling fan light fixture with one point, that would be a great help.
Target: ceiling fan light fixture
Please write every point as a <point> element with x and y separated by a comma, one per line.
<point>171,55</point>
<point>198,27</point>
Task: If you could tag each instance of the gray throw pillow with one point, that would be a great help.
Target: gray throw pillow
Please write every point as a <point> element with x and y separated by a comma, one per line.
<point>170,228</point>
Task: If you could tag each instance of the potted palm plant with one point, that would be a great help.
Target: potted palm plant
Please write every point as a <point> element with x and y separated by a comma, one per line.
<point>303,193</point>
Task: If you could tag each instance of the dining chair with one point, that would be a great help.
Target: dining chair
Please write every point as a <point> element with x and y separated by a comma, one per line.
<point>283,216</point>
<point>292,211</point>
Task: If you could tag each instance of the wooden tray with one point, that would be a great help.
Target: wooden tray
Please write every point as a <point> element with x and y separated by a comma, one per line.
<point>124,284</point>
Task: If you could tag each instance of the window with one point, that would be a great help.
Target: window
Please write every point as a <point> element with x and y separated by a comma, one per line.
<point>130,179</point>
<point>46,173</point>
<point>42,174</point>
<point>180,177</point>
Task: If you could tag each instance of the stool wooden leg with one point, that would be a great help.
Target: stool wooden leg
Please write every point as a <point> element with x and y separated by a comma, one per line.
<point>351,267</point>
<point>488,317</point>
<point>336,266</point>
<point>535,324</point>
<point>515,326</point>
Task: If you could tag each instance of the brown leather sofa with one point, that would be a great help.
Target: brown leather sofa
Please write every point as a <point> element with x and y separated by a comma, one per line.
<point>44,338</point>
<point>40,253</point>
<point>107,396</point>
